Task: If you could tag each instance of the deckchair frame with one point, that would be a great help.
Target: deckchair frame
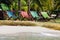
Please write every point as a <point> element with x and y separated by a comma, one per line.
<point>38,17</point>
<point>12,16</point>
<point>46,17</point>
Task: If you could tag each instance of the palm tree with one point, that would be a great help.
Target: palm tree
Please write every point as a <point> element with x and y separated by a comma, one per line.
<point>57,4</point>
<point>36,4</point>
<point>19,5</point>
<point>28,6</point>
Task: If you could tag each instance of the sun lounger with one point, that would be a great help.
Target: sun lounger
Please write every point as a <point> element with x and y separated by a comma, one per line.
<point>11,15</point>
<point>46,16</point>
<point>35,15</point>
<point>24,14</point>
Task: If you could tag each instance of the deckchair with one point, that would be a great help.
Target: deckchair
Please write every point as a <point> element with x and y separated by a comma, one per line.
<point>11,15</point>
<point>1,15</point>
<point>46,16</point>
<point>24,14</point>
<point>35,15</point>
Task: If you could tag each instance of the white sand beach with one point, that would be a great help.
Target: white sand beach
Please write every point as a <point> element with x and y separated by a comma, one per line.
<point>28,33</point>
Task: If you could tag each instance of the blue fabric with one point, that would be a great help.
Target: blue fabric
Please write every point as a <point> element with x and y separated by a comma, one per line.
<point>10,14</point>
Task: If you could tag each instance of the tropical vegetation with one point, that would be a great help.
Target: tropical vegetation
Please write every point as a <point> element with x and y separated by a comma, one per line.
<point>42,5</point>
<point>36,5</point>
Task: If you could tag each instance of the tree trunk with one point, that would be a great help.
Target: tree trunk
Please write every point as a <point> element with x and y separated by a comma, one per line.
<point>19,5</point>
<point>28,6</point>
<point>19,8</point>
<point>29,9</point>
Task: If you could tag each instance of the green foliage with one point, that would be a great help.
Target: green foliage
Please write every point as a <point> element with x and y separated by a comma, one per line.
<point>57,5</point>
<point>41,5</point>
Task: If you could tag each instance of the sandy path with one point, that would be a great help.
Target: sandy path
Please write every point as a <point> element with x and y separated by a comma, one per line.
<point>28,33</point>
<point>17,29</point>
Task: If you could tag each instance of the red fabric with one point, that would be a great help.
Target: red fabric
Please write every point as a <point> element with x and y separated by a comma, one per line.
<point>24,14</point>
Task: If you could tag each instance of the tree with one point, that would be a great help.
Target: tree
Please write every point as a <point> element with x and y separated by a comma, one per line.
<point>8,2</point>
<point>37,4</point>
<point>57,5</point>
<point>28,6</point>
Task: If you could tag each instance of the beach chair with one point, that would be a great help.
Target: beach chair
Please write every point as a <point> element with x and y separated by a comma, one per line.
<point>35,15</point>
<point>1,15</point>
<point>46,16</point>
<point>11,15</point>
<point>24,15</point>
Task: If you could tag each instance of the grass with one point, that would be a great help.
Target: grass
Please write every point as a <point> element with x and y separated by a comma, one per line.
<point>49,24</point>
<point>58,20</point>
<point>16,23</point>
<point>55,26</point>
